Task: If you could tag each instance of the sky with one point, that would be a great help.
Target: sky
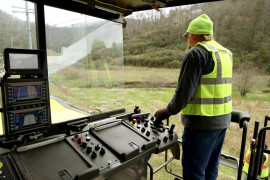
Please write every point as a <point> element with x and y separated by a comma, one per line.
<point>53,16</point>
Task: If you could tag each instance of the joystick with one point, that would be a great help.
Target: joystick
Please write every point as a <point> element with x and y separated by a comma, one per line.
<point>171,129</point>
<point>137,110</point>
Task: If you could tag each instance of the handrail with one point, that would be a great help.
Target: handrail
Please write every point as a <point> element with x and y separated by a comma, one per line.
<point>240,117</point>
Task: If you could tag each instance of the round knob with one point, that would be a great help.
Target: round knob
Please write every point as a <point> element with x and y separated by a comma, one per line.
<point>88,149</point>
<point>145,124</point>
<point>133,121</point>
<point>93,155</point>
<point>147,133</point>
<point>102,151</point>
<point>143,129</point>
<point>165,139</point>
<point>158,141</point>
<point>88,138</point>
<point>84,145</point>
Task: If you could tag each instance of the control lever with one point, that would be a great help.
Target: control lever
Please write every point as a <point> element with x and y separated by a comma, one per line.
<point>171,129</point>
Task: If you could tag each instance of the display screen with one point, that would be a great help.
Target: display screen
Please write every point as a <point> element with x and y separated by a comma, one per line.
<point>26,92</point>
<point>23,61</point>
<point>23,120</point>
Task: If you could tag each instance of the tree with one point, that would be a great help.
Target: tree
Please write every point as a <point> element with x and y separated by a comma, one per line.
<point>245,78</point>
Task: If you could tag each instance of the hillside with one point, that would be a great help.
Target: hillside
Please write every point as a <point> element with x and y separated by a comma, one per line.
<point>240,25</point>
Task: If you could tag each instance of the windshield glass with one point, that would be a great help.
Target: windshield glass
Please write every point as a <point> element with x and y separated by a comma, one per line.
<point>17,22</point>
<point>85,64</point>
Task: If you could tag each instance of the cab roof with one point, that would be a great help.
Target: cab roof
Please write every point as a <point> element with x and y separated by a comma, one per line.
<point>110,9</point>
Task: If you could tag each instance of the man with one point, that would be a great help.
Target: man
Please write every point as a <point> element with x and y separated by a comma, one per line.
<point>203,95</point>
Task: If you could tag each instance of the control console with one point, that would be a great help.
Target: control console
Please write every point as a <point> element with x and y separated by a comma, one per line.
<point>93,150</point>
<point>164,135</point>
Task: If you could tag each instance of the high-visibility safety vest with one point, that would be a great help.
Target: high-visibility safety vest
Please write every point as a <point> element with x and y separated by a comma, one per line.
<point>214,94</point>
<point>265,171</point>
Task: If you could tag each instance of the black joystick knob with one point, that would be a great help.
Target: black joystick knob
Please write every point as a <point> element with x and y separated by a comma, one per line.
<point>165,139</point>
<point>137,110</point>
<point>88,149</point>
<point>84,145</point>
<point>171,129</point>
<point>145,124</point>
<point>93,155</point>
<point>97,147</point>
<point>102,151</point>
<point>143,129</point>
<point>79,141</point>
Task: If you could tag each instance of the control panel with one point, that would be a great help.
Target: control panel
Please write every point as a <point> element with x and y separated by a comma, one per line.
<point>6,172</point>
<point>164,135</point>
<point>113,143</point>
<point>92,149</point>
<point>25,93</point>
<point>110,144</point>
<point>19,120</point>
<point>18,93</point>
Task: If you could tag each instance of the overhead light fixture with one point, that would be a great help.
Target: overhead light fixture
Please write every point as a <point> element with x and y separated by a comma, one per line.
<point>160,3</point>
<point>82,2</point>
<point>108,10</point>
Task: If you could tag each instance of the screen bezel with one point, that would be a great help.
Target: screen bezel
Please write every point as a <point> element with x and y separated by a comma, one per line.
<point>25,83</point>
<point>41,57</point>
<point>30,128</point>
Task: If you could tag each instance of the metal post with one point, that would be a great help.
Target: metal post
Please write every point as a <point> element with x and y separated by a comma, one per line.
<point>41,33</point>
<point>253,149</point>
<point>259,153</point>
<point>242,152</point>
<point>28,26</point>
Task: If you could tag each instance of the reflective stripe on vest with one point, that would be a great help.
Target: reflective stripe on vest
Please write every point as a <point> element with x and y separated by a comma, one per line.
<point>213,96</point>
<point>264,172</point>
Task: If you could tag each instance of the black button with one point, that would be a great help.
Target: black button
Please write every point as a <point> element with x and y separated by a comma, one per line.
<point>88,149</point>
<point>84,145</point>
<point>102,151</point>
<point>97,147</point>
<point>165,139</point>
<point>143,129</point>
<point>93,155</point>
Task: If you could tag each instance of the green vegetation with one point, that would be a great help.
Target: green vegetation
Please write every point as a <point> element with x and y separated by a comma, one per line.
<point>240,25</point>
<point>256,103</point>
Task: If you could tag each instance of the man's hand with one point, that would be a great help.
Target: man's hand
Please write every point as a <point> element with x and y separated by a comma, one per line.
<point>161,115</point>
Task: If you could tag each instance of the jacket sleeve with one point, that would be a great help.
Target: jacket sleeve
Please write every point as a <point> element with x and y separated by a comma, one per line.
<point>197,62</point>
<point>188,82</point>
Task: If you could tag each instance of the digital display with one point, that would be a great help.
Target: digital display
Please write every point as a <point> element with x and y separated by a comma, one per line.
<point>26,92</point>
<point>27,119</point>
<point>23,61</point>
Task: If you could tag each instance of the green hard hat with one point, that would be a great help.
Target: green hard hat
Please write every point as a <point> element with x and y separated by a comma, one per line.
<point>200,25</point>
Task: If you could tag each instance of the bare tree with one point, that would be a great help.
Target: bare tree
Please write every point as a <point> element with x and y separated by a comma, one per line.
<point>245,77</point>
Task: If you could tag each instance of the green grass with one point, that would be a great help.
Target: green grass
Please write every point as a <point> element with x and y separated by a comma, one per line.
<point>89,94</point>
